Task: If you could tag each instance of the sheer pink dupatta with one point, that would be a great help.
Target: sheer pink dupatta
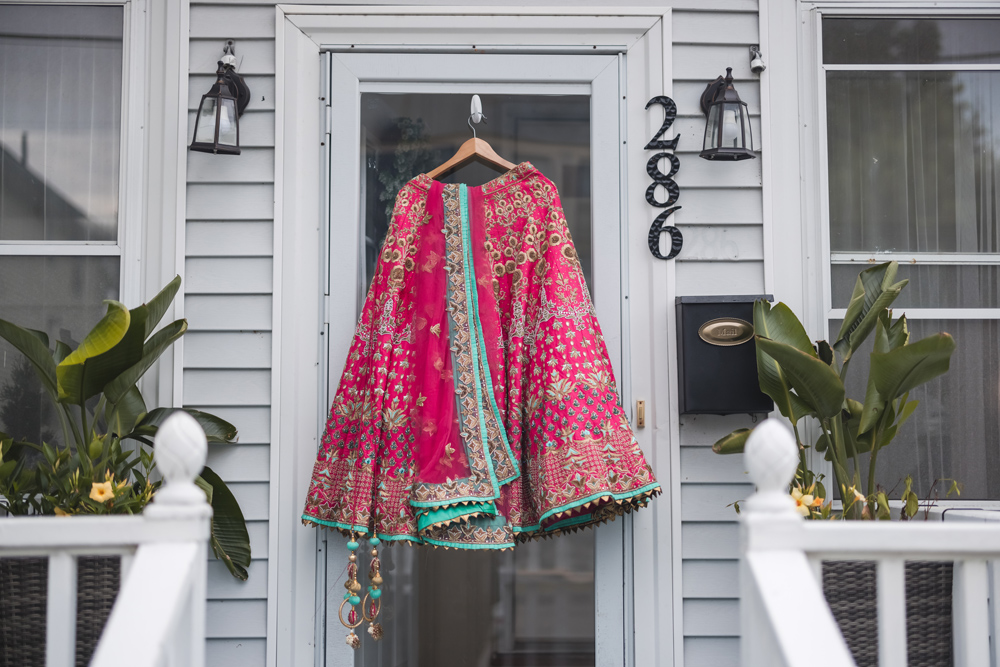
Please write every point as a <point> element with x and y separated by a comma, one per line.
<point>438,451</point>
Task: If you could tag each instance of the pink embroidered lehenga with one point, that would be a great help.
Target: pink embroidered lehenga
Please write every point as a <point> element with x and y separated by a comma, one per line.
<point>478,406</point>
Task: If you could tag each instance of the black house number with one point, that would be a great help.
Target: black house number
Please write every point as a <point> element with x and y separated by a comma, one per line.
<point>657,143</point>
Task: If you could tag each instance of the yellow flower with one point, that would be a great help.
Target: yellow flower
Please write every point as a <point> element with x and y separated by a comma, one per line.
<point>858,498</point>
<point>803,501</point>
<point>60,512</point>
<point>102,492</point>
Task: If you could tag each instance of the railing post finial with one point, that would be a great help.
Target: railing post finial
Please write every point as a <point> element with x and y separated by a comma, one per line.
<point>772,458</point>
<point>180,451</point>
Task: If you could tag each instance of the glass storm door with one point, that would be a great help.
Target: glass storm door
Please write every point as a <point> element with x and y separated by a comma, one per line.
<point>391,118</point>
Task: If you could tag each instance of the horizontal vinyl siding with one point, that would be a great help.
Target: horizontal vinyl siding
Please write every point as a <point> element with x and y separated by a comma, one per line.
<point>722,222</point>
<point>229,244</point>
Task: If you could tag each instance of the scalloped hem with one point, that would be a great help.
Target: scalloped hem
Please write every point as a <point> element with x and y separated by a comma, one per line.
<point>609,506</point>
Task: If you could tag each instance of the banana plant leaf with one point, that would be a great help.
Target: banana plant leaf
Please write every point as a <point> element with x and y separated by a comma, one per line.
<point>733,443</point>
<point>126,413</point>
<point>899,332</point>
<point>61,352</point>
<point>230,539</point>
<point>36,351</point>
<point>898,371</point>
<point>779,323</point>
<point>109,349</point>
<point>875,403</point>
<point>217,430</point>
<point>817,385</point>
<point>157,344</point>
<point>157,307</point>
<point>873,292</point>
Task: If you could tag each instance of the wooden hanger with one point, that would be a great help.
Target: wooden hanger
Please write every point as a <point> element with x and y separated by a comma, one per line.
<point>473,150</point>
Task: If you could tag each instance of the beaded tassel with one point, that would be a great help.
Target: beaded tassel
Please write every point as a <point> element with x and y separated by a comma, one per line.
<point>374,593</point>
<point>351,596</point>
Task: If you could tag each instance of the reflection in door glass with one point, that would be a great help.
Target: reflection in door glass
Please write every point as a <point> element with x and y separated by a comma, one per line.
<point>533,605</point>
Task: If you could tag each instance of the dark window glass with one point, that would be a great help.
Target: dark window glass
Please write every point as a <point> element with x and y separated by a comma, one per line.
<point>930,286</point>
<point>955,431</point>
<point>61,296</point>
<point>910,41</point>
<point>914,161</point>
<point>60,122</point>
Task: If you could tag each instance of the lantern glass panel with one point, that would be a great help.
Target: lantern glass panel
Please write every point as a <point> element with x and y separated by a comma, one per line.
<point>732,131</point>
<point>206,121</point>
<point>712,127</point>
<point>227,123</point>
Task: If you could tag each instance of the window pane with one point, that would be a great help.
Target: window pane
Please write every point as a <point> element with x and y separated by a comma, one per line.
<point>533,605</point>
<point>60,122</point>
<point>930,286</point>
<point>913,161</point>
<point>955,431</point>
<point>58,295</point>
<point>404,135</point>
<point>911,41</point>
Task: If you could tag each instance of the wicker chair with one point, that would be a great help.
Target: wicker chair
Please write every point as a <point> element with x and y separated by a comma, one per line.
<point>23,599</point>
<point>849,588</point>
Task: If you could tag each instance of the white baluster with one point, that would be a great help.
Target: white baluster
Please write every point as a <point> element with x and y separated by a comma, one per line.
<point>159,617</point>
<point>970,617</point>
<point>772,457</point>
<point>777,581</point>
<point>60,634</point>
<point>180,451</point>
<point>891,594</point>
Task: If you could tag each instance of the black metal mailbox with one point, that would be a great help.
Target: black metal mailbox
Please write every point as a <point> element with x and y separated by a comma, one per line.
<point>717,357</point>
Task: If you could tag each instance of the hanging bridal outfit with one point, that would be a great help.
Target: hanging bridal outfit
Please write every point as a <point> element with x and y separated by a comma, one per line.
<point>478,406</point>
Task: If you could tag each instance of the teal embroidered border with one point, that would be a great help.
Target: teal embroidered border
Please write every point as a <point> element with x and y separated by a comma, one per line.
<point>582,501</point>
<point>479,337</point>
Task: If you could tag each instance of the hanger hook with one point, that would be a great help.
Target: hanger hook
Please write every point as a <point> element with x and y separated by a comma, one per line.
<point>473,127</point>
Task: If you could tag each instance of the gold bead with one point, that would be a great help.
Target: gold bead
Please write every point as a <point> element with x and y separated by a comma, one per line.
<point>347,584</point>
<point>377,580</point>
<point>374,552</point>
<point>352,558</point>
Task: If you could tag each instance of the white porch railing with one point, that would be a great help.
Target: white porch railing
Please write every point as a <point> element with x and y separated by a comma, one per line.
<point>784,615</point>
<point>158,619</point>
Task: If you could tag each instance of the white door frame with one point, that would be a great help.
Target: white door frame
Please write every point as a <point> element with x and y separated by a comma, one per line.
<point>642,35</point>
<point>352,74</point>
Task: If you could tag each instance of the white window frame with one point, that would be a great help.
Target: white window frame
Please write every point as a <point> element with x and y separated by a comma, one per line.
<point>644,35</point>
<point>862,259</point>
<point>128,246</point>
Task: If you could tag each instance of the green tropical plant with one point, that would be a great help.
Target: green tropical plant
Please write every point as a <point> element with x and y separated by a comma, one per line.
<point>807,380</point>
<point>99,407</point>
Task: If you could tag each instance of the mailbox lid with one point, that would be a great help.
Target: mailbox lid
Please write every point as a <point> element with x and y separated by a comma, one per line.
<point>717,357</point>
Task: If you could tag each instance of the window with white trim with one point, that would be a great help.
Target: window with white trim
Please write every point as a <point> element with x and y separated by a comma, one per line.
<point>62,186</point>
<point>912,143</point>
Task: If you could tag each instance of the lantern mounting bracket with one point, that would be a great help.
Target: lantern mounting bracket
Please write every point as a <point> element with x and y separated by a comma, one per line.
<point>711,90</point>
<point>237,86</point>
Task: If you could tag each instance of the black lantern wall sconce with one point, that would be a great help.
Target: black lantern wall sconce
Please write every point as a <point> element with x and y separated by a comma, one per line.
<point>727,131</point>
<point>217,125</point>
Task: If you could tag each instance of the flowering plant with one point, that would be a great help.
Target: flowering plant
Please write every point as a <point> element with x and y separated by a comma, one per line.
<point>105,461</point>
<point>63,483</point>
<point>807,380</point>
